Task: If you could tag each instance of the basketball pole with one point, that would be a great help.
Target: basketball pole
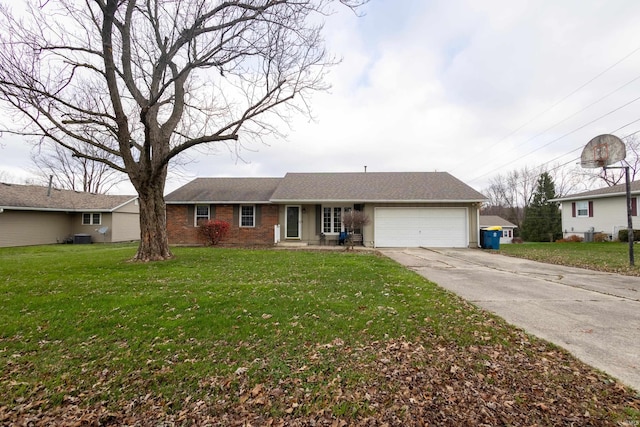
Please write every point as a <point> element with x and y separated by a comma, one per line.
<point>630,235</point>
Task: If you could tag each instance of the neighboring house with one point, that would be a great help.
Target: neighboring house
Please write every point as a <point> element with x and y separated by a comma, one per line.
<point>599,211</point>
<point>508,228</point>
<point>36,215</point>
<point>412,209</point>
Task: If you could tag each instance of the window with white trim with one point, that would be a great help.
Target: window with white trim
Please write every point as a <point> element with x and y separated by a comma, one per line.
<point>91,218</point>
<point>582,208</point>
<point>202,214</point>
<point>247,216</point>
<point>332,219</point>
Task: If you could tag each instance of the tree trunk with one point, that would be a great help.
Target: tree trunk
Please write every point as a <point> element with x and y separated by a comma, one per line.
<point>154,243</point>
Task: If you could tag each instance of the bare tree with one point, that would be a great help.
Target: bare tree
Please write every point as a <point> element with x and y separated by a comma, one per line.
<point>566,180</point>
<point>5,176</point>
<point>76,173</point>
<point>509,194</point>
<point>146,80</point>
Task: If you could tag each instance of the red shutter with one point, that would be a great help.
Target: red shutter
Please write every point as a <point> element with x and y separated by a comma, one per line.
<point>634,206</point>
<point>573,209</point>
<point>590,209</point>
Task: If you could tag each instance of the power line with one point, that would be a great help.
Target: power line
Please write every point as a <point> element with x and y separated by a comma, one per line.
<point>559,138</point>
<point>573,160</point>
<point>582,146</point>
<point>622,127</point>
<point>579,111</point>
<point>571,94</point>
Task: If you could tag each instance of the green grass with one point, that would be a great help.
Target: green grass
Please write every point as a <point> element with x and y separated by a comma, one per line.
<point>284,333</point>
<point>605,256</point>
<point>84,320</point>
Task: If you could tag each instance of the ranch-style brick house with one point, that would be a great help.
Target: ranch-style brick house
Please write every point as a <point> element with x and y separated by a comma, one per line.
<point>406,209</point>
<point>599,211</point>
<point>37,215</point>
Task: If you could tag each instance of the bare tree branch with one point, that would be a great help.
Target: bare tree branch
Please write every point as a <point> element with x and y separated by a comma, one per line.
<point>74,173</point>
<point>135,83</point>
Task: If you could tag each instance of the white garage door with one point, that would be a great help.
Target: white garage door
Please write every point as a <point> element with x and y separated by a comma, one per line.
<point>426,227</point>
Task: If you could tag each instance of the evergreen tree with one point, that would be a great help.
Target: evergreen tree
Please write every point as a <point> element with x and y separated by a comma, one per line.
<point>542,219</point>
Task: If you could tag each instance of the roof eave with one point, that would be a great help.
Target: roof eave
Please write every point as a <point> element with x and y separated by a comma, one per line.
<point>124,204</point>
<point>404,201</point>
<point>594,196</point>
<point>217,202</point>
<point>66,210</point>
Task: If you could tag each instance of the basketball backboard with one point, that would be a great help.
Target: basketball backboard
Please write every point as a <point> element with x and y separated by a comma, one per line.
<point>603,150</point>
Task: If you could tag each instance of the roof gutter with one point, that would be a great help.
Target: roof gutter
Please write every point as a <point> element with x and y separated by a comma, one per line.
<point>66,210</point>
<point>376,201</point>
<point>594,196</point>
<point>217,202</point>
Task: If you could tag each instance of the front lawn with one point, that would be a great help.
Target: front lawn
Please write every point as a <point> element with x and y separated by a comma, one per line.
<point>266,337</point>
<point>606,256</point>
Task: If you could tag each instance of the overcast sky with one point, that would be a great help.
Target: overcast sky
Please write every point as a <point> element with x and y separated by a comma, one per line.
<point>474,88</point>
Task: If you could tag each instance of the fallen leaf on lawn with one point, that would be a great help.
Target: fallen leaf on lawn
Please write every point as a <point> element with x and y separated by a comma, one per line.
<point>241,370</point>
<point>257,390</point>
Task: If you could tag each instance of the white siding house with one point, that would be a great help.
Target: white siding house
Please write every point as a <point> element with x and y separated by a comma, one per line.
<point>599,211</point>
<point>508,228</point>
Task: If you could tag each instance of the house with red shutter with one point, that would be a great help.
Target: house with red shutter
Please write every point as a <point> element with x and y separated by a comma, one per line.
<point>599,211</point>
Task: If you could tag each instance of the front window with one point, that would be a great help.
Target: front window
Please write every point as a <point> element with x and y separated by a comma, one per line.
<point>337,219</point>
<point>332,219</point>
<point>248,216</point>
<point>202,214</point>
<point>91,219</point>
<point>582,208</point>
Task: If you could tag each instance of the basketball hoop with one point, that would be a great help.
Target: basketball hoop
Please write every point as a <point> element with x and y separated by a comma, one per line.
<point>602,151</point>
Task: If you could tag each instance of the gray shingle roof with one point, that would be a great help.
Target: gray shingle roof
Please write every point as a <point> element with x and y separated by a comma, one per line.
<point>327,187</point>
<point>36,197</point>
<point>225,190</point>
<point>613,191</point>
<point>374,187</point>
<point>491,220</point>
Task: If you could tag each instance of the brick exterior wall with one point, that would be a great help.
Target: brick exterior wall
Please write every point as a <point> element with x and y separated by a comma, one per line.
<point>181,231</point>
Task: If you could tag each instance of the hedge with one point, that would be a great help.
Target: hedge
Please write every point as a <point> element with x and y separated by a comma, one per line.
<point>623,235</point>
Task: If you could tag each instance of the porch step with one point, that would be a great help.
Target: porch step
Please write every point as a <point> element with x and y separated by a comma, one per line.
<point>292,244</point>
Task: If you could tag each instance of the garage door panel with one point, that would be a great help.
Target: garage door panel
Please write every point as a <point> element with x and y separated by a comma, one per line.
<point>428,227</point>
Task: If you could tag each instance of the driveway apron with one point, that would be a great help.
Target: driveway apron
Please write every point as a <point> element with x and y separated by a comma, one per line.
<point>593,315</point>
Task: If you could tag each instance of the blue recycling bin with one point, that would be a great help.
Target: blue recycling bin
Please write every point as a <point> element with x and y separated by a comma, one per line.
<point>342,237</point>
<point>491,238</point>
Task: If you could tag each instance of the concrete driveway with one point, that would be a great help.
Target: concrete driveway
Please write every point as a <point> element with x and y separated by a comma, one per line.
<point>595,316</point>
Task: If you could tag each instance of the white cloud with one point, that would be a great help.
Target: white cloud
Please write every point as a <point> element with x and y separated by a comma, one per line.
<point>462,86</point>
<point>15,160</point>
